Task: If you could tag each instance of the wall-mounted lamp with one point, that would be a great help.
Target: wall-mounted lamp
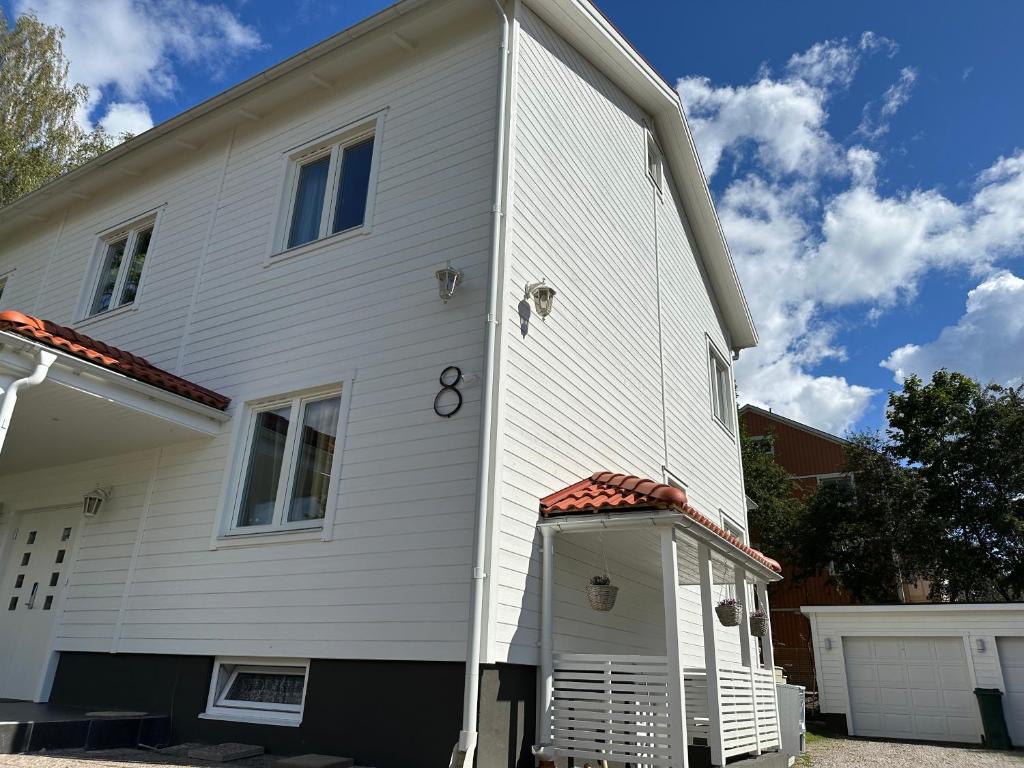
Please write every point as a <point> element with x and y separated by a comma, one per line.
<point>979,643</point>
<point>828,643</point>
<point>94,500</point>
<point>543,296</point>
<point>447,280</point>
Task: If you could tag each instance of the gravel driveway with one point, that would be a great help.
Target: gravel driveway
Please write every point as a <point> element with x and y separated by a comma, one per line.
<point>854,753</point>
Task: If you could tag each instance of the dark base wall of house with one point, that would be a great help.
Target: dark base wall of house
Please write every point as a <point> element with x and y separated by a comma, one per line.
<point>382,713</point>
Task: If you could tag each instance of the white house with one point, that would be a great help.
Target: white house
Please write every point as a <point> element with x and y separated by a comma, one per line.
<point>910,671</point>
<point>314,488</point>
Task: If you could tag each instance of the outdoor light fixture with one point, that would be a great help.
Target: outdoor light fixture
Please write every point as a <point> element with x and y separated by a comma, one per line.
<point>447,280</point>
<point>980,643</point>
<point>543,296</point>
<point>93,500</point>
<point>828,643</point>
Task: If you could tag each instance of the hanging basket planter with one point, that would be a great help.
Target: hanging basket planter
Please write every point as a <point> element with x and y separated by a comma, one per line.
<point>759,623</point>
<point>601,593</point>
<point>730,613</point>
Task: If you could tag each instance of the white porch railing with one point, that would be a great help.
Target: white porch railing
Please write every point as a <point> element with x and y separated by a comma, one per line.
<point>617,708</point>
<point>749,718</point>
<point>612,708</point>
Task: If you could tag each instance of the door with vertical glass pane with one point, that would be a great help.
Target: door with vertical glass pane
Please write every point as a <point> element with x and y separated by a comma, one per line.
<point>34,579</point>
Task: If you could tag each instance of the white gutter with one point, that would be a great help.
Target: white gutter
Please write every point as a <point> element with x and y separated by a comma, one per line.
<point>44,360</point>
<point>465,750</point>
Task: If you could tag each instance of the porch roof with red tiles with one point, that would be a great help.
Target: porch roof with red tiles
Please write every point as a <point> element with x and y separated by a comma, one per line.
<point>610,492</point>
<point>79,345</point>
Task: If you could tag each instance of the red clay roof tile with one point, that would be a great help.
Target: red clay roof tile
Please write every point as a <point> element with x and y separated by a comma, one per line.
<point>610,492</point>
<point>74,343</point>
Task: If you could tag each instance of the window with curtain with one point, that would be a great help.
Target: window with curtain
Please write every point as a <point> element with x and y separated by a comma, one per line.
<point>289,463</point>
<point>122,260</point>
<point>331,190</point>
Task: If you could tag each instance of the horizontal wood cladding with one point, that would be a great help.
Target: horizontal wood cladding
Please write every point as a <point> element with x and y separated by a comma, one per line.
<point>392,581</point>
<point>799,452</point>
<point>583,391</point>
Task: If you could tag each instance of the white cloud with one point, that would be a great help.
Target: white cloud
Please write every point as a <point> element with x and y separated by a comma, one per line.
<point>874,125</point>
<point>131,48</point>
<point>986,343</point>
<point>126,117</point>
<point>813,235</point>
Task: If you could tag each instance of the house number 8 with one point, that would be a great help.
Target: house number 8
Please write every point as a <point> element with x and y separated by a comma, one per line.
<point>449,400</point>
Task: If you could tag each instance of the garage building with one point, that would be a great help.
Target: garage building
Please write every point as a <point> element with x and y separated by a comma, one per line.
<point>909,671</point>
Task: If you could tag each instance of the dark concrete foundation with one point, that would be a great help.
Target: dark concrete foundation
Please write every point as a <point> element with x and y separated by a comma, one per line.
<point>387,714</point>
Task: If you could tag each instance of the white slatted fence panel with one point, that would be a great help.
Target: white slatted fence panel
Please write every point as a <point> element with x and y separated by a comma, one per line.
<point>696,692</point>
<point>737,701</point>
<point>767,713</point>
<point>613,708</point>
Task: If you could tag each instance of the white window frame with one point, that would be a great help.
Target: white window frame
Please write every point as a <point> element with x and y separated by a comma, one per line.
<point>244,445</point>
<point>734,527</point>
<point>219,707</point>
<point>334,145</point>
<point>129,229</point>
<point>5,278</point>
<point>726,420</point>
<point>833,476</point>
<point>654,159</point>
<point>767,439</point>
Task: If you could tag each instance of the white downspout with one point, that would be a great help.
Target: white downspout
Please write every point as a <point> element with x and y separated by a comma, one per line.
<point>465,750</point>
<point>44,360</point>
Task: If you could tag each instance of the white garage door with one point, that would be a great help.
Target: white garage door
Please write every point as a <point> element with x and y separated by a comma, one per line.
<point>911,688</point>
<point>1011,657</point>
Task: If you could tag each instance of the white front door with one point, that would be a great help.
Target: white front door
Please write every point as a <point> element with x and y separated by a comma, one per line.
<point>38,559</point>
<point>1011,658</point>
<point>911,688</point>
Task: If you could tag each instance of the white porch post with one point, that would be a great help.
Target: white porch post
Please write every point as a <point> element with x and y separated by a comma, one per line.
<point>673,651</point>
<point>547,633</point>
<point>745,643</point>
<point>707,604</point>
<point>767,650</point>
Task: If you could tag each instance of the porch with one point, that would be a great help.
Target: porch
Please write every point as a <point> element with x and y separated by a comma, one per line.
<point>663,684</point>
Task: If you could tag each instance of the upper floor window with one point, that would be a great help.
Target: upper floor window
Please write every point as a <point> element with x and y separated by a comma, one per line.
<point>840,480</point>
<point>121,263</point>
<point>765,443</point>
<point>289,463</point>
<point>330,188</point>
<point>721,389</point>
<point>654,161</point>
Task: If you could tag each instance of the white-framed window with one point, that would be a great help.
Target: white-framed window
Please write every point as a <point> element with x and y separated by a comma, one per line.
<point>722,398</point>
<point>289,463</point>
<point>3,285</point>
<point>258,690</point>
<point>116,280</point>
<point>655,162</point>
<point>330,186</point>
<point>733,526</point>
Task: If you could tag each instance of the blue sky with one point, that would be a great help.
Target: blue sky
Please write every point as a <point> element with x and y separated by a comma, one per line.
<point>867,159</point>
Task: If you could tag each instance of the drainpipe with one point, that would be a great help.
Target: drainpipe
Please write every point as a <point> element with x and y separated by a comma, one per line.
<point>44,360</point>
<point>465,750</point>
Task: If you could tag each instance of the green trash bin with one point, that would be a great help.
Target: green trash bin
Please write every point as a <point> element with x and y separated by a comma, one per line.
<point>990,703</point>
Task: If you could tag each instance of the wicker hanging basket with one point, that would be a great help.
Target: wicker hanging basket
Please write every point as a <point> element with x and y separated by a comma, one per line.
<point>602,596</point>
<point>729,615</point>
<point>759,626</point>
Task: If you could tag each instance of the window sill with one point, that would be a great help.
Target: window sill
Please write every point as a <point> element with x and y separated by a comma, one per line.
<point>264,538</point>
<point>253,717</point>
<point>126,309</point>
<point>725,427</point>
<point>315,245</point>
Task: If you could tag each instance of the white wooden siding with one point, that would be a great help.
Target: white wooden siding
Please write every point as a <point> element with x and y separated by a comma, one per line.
<point>583,390</point>
<point>972,623</point>
<point>393,580</point>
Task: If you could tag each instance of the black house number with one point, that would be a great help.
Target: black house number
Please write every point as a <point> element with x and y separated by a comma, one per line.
<point>448,401</point>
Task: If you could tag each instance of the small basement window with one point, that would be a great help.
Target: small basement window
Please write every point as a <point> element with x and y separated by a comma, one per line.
<point>258,690</point>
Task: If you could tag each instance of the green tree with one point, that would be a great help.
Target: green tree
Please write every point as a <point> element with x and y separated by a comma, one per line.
<point>873,532</point>
<point>967,443</point>
<point>775,524</point>
<point>39,138</point>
